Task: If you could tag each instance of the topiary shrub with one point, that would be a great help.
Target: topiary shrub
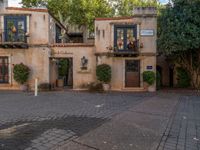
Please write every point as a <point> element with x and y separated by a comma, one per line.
<point>183,78</point>
<point>21,73</point>
<point>149,77</point>
<point>103,73</point>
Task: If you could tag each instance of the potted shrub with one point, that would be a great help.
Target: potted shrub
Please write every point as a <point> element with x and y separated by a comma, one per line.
<point>103,73</point>
<point>21,74</point>
<point>149,78</point>
<point>62,72</point>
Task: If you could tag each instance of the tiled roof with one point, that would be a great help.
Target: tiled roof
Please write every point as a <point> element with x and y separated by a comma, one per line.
<point>27,9</point>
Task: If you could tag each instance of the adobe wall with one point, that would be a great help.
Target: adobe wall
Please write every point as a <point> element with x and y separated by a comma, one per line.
<point>36,58</point>
<point>76,52</point>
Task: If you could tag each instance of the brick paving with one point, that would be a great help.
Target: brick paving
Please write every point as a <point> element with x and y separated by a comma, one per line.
<point>182,132</point>
<point>83,121</point>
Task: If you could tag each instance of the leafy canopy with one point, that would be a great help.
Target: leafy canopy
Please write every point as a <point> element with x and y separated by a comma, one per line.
<point>179,27</point>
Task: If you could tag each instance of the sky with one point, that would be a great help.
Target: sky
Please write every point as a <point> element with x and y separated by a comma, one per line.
<point>15,3</point>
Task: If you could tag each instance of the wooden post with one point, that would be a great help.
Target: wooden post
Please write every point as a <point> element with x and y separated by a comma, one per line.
<point>36,86</point>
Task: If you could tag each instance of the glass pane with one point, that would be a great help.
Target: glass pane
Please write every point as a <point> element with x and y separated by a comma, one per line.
<point>11,30</point>
<point>21,32</point>
<point>120,39</point>
<point>132,66</point>
<point>130,39</point>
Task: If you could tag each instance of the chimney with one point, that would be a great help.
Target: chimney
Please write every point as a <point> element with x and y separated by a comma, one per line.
<point>3,5</point>
<point>143,11</point>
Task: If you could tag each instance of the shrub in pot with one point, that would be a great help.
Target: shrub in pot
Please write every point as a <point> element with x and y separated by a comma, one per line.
<point>63,67</point>
<point>149,78</point>
<point>21,74</point>
<point>103,73</point>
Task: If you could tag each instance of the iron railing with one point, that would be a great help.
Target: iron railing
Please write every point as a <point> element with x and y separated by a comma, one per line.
<point>8,36</point>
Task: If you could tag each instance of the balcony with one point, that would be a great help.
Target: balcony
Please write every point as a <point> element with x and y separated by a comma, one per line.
<point>13,39</point>
<point>130,51</point>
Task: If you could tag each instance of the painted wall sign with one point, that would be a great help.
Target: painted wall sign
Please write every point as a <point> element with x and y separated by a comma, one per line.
<point>149,67</point>
<point>147,32</point>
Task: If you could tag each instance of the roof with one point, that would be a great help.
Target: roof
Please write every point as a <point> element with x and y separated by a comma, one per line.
<point>27,9</point>
<point>113,18</point>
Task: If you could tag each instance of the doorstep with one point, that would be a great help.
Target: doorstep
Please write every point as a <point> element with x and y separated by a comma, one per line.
<point>8,87</point>
<point>135,89</point>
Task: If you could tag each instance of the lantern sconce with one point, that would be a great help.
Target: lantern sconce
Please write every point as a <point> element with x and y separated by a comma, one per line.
<point>84,63</point>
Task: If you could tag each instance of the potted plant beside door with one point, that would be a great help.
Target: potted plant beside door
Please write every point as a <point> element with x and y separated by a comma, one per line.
<point>103,73</point>
<point>63,67</point>
<point>149,79</point>
<point>21,74</point>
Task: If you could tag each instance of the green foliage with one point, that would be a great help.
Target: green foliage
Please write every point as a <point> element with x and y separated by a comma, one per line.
<point>179,35</point>
<point>103,73</point>
<point>158,80</point>
<point>183,78</point>
<point>63,67</point>
<point>179,28</point>
<point>149,77</point>
<point>21,73</point>
<point>79,12</point>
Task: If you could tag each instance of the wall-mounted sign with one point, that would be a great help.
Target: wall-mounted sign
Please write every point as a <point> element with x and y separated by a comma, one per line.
<point>148,32</point>
<point>149,67</point>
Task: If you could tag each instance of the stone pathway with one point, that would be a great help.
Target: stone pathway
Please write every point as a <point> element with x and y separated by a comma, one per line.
<point>96,121</point>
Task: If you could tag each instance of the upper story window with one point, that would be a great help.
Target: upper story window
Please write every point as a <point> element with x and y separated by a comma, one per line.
<point>125,37</point>
<point>58,34</point>
<point>15,28</point>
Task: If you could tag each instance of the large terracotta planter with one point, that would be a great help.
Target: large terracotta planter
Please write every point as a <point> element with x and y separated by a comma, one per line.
<point>60,82</point>
<point>24,88</point>
<point>106,87</point>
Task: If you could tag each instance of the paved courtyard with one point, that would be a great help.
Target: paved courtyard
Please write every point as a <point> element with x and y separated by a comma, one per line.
<point>99,121</point>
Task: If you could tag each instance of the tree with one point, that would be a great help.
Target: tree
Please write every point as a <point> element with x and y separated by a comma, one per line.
<point>179,36</point>
<point>79,12</point>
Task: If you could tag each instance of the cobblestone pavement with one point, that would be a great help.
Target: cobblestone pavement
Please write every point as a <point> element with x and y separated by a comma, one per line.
<point>183,130</point>
<point>50,119</point>
<point>101,121</point>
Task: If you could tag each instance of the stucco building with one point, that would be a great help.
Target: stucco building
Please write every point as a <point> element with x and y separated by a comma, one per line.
<point>35,38</point>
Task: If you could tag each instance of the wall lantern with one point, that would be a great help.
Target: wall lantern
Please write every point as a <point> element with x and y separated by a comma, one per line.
<point>84,63</point>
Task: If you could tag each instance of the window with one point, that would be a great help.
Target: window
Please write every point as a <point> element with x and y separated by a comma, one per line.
<point>58,34</point>
<point>125,38</point>
<point>4,70</point>
<point>15,28</point>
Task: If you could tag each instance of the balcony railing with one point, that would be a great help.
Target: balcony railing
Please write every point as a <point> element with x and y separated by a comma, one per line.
<point>131,51</point>
<point>10,39</point>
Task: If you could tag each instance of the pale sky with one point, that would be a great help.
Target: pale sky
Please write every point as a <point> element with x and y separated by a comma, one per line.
<point>15,3</point>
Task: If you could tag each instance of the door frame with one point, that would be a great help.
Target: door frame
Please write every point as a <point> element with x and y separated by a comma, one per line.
<point>9,69</point>
<point>124,72</point>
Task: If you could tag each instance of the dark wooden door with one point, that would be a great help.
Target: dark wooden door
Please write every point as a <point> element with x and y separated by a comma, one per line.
<point>3,69</point>
<point>132,73</point>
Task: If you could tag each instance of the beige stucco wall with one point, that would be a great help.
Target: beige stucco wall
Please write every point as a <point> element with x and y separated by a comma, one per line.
<point>36,58</point>
<point>80,77</point>
<point>38,25</point>
<point>107,26</point>
<point>147,55</point>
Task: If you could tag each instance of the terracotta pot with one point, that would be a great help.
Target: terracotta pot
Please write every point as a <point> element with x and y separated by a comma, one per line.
<point>24,88</point>
<point>152,88</point>
<point>106,87</point>
<point>60,82</point>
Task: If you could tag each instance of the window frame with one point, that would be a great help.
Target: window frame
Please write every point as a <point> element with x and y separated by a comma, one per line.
<point>124,28</point>
<point>16,19</point>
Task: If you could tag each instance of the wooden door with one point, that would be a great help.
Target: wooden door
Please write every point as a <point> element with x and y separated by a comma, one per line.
<point>132,73</point>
